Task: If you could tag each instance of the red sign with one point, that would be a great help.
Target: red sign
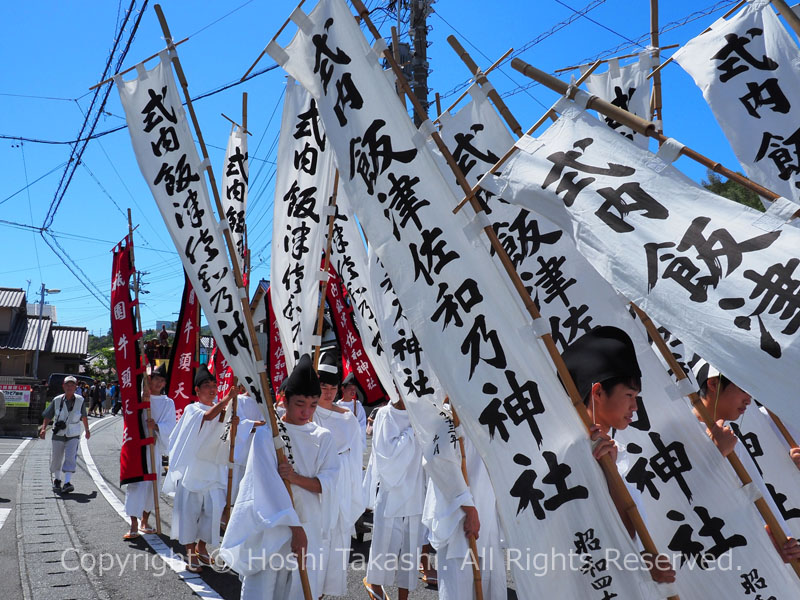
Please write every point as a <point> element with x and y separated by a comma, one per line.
<point>183,362</point>
<point>132,459</point>
<point>277,360</point>
<point>354,358</point>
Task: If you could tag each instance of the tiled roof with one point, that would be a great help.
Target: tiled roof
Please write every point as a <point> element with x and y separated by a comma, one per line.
<point>11,297</point>
<point>25,333</point>
<point>69,340</point>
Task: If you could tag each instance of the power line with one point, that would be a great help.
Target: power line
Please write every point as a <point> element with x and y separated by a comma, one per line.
<point>531,43</point>
<point>77,152</point>
<point>691,17</point>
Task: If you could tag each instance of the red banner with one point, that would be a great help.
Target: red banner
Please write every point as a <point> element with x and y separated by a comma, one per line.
<point>277,362</point>
<point>354,359</point>
<point>218,367</point>
<point>182,360</point>
<point>132,457</point>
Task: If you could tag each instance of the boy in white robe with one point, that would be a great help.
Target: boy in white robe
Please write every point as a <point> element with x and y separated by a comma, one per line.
<point>249,416</point>
<point>453,511</point>
<point>350,401</point>
<point>195,477</point>
<point>265,532</point>
<point>397,531</point>
<point>606,372</point>
<point>725,401</point>
<point>139,495</point>
<point>347,441</point>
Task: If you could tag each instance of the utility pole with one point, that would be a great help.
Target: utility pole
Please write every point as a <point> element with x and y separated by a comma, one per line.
<point>43,291</point>
<point>418,30</point>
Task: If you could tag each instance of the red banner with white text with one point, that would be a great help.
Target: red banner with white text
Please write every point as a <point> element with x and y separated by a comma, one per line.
<point>132,457</point>
<point>183,360</point>
<point>276,359</point>
<point>354,359</point>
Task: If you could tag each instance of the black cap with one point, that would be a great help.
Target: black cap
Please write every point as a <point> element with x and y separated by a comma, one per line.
<point>328,370</point>
<point>303,380</point>
<point>159,371</point>
<point>202,376</point>
<point>602,353</point>
<point>351,380</point>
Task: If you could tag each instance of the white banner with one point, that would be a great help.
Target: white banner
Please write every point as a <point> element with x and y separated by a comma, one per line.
<point>303,186</point>
<point>234,188</point>
<point>628,88</point>
<point>749,71</point>
<point>552,497</point>
<point>670,461</point>
<point>719,275</point>
<point>770,453</point>
<point>168,159</point>
<point>349,259</point>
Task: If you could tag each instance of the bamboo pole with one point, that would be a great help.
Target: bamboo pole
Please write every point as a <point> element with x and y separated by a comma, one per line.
<point>550,114</point>
<point>438,99</point>
<point>491,68</point>
<point>736,7</point>
<point>110,79</point>
<point>145,380</point>
<point>787,13</point>
<point>605,60</point>
<point>226,512</point>
<point>480,79</point>
<point>473,547</point>
<point>640,125</point>
<point>235,124</point>
<point>396,53</point>
<point>275,37</point>
<point>782,428</point>
<point>244,240</point>
<point>697,403</point>
<point>326,263</point>
<point>656,97</point>
<point>618,491</point>
<point>267,406</point>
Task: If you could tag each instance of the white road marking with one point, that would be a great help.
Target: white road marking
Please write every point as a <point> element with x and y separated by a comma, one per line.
<point>10,460</point>
<point>193,580</point>
<point>4,512</point>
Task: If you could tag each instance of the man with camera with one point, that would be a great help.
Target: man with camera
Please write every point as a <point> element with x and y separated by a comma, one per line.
<point>66,411</point>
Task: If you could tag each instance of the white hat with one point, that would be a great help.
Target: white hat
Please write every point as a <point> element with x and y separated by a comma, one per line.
<point>70,379</point>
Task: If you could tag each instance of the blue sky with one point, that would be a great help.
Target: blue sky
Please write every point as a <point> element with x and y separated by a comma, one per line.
<point>53,51</point>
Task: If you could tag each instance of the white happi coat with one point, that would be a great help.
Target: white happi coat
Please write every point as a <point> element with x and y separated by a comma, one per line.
<point>257,542</point>
<point>195,477</point>
<point>444,518</point>
<point>139,494</point>
<point>347,442</point>
<point>397,522</point>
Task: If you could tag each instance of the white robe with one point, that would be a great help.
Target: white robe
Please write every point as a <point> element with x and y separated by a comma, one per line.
<point>444,518</point>
<point>139,494</point>
<point>249,413</point>
<point>195,477</point>
<point>257,542</point>
<point>397,522</point>
<point>360,413</point>
<point>347,442</point>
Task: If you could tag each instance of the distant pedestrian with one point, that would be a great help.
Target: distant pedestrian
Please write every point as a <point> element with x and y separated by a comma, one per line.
<point>67,411</point>
<point>105,399</point>
<point>116,399</point>
<point>95,409</point>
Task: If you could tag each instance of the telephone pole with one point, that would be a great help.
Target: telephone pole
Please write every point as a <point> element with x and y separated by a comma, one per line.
<point>418,30</point>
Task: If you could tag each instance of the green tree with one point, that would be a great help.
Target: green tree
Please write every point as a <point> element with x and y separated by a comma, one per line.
<point>732,191</point>
<point>104,366</point>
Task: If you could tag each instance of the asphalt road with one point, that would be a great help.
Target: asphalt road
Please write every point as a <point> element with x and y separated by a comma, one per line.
<point>70,547</point>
